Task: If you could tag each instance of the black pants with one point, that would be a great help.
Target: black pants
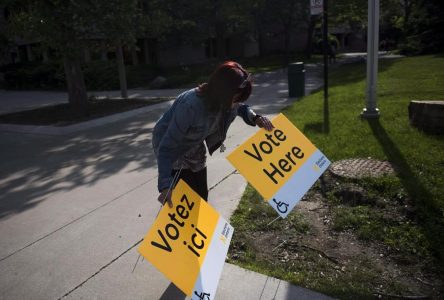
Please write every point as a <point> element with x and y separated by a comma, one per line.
<point>196,180</point>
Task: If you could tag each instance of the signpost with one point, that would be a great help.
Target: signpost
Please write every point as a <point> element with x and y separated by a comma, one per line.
<point>316,7</point>
<point>371,110</point>
<point>188,243</point>
<point>281,165</point>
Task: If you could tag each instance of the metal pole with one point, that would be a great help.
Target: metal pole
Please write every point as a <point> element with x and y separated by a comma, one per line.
<point>325,46</point>
<point>371,110</point>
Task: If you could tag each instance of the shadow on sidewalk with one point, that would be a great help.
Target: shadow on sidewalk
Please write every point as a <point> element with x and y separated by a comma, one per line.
<point>173,293</point>
<point>35,167</point>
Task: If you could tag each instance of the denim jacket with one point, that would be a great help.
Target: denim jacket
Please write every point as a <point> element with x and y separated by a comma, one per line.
<point>185,124</point>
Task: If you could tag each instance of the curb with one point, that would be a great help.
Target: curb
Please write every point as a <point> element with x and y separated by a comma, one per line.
<point>64,130</point>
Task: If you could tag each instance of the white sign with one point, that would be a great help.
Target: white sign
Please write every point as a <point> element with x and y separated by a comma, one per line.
<point>316,7</point>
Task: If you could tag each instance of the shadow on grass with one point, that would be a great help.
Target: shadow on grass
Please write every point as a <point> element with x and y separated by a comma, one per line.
<point>317,127</point>
<point>429,216</point>
<point>355,72</point>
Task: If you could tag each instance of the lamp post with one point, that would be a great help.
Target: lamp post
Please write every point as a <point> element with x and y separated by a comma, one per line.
<point>371,111</point>
<point>325,46</point>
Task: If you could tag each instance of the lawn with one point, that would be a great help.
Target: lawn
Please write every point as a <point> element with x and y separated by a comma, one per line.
<point>418,157</point>
<point>411,238</point>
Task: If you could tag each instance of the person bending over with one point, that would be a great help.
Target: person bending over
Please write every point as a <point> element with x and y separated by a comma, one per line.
<point>198,117</point>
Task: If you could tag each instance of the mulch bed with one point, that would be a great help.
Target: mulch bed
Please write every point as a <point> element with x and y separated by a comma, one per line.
<point>65,114</point>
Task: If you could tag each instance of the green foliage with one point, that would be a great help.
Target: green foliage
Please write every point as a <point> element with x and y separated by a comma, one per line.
<point>349,13</point>
<point>255,214</point>
<point>122,21</point>
<point>157,19</point>
<point>34,76</point>
<point>99,75</point>
<point>68,25</point>
<point>424,28</point>
<point>372,225</point>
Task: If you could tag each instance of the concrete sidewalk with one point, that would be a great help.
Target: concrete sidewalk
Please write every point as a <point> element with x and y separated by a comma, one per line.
<point>13,101</point>
<point>74,208</point>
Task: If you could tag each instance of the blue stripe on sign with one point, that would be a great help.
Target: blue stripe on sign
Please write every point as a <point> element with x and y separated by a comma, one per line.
<point>299,183</point>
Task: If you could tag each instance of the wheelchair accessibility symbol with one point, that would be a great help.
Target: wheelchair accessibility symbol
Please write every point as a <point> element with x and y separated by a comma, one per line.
<point>281,206</point>
<point>202,295</point>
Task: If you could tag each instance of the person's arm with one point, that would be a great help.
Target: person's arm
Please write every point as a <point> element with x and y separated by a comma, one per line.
<point>169,147</point>
<point>253,119</point>
<point>247,114</point>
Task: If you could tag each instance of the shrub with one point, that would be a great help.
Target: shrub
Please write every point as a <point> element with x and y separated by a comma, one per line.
<point>99,75</point>
<point>34,75</point>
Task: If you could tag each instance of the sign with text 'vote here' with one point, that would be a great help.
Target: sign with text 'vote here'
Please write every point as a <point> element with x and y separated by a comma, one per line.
<point>188,243</point>
<point>281,165</point>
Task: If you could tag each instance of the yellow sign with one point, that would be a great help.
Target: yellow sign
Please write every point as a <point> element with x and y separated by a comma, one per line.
<point>188,243</point>
<point>280,164</point>
<point>269,159</point>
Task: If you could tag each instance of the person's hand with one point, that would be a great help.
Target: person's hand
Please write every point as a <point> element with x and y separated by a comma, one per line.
<point>264,122</point>
<point>165,197</point>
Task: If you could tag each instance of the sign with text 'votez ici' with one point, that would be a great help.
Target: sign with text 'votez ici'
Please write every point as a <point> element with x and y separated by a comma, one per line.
<point>188,243</point>
<point>281,165</point>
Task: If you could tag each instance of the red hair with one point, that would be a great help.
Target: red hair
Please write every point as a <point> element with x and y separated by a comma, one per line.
<point>229,81</point>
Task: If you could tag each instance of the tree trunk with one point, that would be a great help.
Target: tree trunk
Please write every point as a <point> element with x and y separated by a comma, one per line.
<point>261,45</point>
<point>309,45</point>
<point>86,55</point>
<point>260,35</point>
<point>77,95</point>
<point>220,41</point>
<point>287,40</point>
<point>286,47</point>
<point>146,53</point>
<point>152,51</point>
<point>134,55</point>
<point>121,67</point>
<point>407,11</point>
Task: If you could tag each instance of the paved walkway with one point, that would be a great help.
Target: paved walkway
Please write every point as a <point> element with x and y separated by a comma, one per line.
<point>74,207</point>
<point>12,101</point>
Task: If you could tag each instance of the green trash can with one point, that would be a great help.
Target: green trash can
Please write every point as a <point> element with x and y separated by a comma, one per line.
<point>296,79</point>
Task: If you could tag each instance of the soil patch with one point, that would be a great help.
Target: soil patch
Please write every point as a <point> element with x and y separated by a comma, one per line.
<point>311,249</point>
<point>65,114</point>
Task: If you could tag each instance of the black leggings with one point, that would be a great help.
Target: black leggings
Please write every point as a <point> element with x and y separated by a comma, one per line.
<point>196,180</point>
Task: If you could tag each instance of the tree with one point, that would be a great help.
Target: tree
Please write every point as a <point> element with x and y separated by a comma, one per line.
<point>258,17</point>
<point>217,19</point>
<point>288,14</point>
<point>61,25</point>
<point>118,21</point>
<point>424,26</point>
<point>67,27</point>
<point>157,22</point>
<point>352,13</point>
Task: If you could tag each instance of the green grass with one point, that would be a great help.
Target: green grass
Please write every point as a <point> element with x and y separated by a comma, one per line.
<point>383,218</point>
<point>255,214</point>
<point>418,157</point>
<point>310,270</point>
<point>419,162</point>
